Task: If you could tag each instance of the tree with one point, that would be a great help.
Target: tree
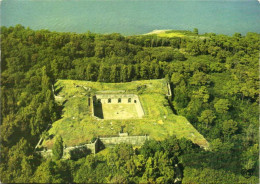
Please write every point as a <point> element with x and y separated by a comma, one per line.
<point>124,152</point>
<point>119,178</point>
<point>99,49</point>
<point>196,31</point>
<point>149,174</point>
<point>87,45</point>
<point>193,47</point>
<point>52,172</point>
<point>57,150</point>
<point>177,78</point>
<point>33,60</point>
<point>202,94</point>
<point>91,170</point>
<point>16,159</point>
<point>199,78</point>
<point>216,145</point>
<point>115,73</point>
<point>222,106</point>
<point>123,73</point>
<point>159,169</point>
<point>207,117</point>
<point>165,166</point>
<point>45,173</point>
<point>149,148</point>
<point>130,72</point>
<point>131,167</point>
<point>229,127</point>
<point>104,73</point>
<point>92,72</point>
<point>144,73</point>
<point>250,159</point>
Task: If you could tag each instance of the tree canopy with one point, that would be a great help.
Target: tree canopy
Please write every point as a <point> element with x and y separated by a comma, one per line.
<point>214,80</point>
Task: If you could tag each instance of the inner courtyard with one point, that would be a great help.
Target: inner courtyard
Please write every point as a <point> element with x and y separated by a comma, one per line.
<point>117,106</point>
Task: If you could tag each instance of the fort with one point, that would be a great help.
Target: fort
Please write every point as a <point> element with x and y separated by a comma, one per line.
<point>101,110</point>
<point>117,106</point>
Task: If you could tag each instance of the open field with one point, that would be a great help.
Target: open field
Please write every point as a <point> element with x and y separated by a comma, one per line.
<point>174,33</point>
<point>170,34</point>
<point>78,126</point>
<point>117,111</point>
<point>166,33</point>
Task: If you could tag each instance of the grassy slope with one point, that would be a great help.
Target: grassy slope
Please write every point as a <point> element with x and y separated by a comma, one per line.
<point>176,33</point>
<point>77,126</point>
<point>172,33</point>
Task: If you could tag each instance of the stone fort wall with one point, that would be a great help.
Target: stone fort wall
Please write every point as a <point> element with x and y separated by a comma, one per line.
<point>134,140</point>
<point>93,147</point>
<point>106,141</point>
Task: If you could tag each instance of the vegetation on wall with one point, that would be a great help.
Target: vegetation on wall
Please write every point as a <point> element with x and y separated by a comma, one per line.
<point>215,86</point>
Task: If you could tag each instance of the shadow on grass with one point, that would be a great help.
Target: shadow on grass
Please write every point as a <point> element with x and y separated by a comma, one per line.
<point>58,90</point>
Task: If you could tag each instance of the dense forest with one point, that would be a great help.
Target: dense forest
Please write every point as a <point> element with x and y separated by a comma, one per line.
<point>214,81</point>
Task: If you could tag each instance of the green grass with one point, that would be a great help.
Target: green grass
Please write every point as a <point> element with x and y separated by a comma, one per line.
<point>156,86</point>
<point>117,111</point>
<point>175,33</point>
<point>171,34</point>
<point>78,126</point>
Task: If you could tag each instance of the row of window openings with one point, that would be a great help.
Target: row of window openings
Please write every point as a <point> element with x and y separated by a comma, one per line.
<point>119,100</point>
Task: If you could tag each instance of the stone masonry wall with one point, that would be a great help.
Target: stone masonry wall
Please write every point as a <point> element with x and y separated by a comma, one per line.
<point>106,141</point>
<point>134,140</point>
<point>66,151</point>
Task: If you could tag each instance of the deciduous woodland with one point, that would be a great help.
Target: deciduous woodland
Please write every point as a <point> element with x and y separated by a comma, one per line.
<point>214,80</point>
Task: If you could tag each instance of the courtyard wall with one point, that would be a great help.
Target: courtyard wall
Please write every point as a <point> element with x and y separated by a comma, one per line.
<point>118,98</point>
